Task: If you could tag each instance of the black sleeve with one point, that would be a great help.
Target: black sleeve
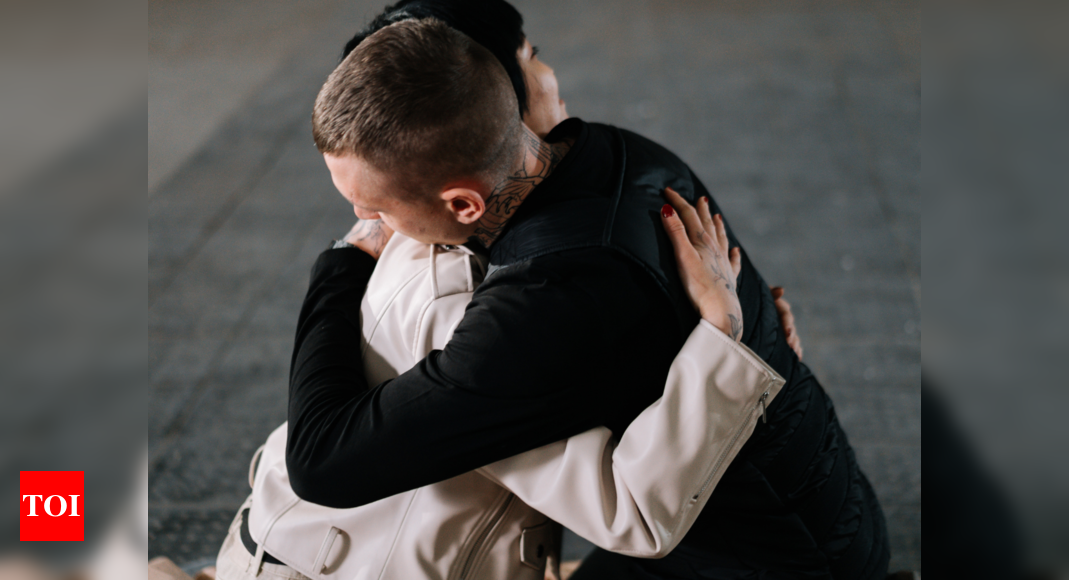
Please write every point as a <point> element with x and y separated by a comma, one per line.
<point>519,372</point>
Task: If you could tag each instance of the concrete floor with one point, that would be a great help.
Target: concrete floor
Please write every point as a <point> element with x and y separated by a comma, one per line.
<point>802,118</point>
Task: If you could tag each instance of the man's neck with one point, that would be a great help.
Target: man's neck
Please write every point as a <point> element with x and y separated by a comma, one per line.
<point>539,160</point>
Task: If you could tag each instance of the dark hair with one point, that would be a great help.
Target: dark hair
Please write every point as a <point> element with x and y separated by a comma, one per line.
<point>494,24</point>
<point>422,102</point>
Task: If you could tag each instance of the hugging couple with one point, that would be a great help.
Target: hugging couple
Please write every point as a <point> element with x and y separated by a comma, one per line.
<point>536,321</point>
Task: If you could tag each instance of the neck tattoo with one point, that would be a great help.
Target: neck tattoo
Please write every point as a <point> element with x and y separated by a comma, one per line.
<point>540,158</point>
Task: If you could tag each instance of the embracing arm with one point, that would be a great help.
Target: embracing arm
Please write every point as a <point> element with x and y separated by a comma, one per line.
<point>505,384</point>
<point>515,376</point>
<point>641,496</point>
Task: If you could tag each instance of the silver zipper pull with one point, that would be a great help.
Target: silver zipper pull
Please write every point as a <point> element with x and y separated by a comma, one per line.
<point>764,418</point>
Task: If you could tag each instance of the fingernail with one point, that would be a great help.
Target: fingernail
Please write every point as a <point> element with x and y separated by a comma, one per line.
<point>667,211</point>
<point>705,199</point>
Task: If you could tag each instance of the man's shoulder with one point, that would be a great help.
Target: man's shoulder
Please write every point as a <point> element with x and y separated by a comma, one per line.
<point>568,270</point>
<point>645,152</point>
<point>641,143</point>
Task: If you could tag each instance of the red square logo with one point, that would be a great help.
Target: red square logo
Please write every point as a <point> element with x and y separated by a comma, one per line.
<point>51,506</point>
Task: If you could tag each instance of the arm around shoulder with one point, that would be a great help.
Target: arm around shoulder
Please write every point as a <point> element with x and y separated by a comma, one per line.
<point>323,370</point>
<point>500,387</point>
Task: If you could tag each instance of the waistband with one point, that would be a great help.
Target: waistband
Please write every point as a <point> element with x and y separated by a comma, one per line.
<point>250,545</point>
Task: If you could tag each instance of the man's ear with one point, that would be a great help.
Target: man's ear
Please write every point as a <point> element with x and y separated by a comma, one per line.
<point>466,205</point>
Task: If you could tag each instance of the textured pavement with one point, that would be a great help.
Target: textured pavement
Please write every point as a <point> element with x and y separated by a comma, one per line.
<point>802,119</point>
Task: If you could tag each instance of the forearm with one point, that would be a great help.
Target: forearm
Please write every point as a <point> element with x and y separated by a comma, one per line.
<point>347,453</point>
<point>521,354</point>
<point>350,443</point>
<point>640,497</point>
<point>326,371</point>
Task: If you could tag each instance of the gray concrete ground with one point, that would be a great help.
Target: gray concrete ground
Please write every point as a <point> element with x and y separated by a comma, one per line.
<point>802,118</point>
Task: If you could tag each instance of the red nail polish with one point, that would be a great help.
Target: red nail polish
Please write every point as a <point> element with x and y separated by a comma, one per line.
<point>705,199</point>
<point>667,211</point>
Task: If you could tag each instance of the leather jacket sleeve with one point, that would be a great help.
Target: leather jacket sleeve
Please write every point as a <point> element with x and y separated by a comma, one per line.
<point>640,496</point>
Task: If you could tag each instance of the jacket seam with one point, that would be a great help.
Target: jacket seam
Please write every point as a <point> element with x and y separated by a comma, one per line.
<point>435,297</point>
<point>419,328</point>
<point>494,535</point>
<point>615,207</point>
<point>388,304</point>
<point>769,379</point>
<point>469,540</point>
<point>769,375</point>
<point>397,534</point>
<point>742,423</point>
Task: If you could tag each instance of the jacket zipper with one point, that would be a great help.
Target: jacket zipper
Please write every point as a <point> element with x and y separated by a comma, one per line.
<point>483,535</point>
<point>764,418</point>
<point>738,433</point>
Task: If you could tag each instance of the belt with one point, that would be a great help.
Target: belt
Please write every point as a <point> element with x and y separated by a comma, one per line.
<point>250,545</point>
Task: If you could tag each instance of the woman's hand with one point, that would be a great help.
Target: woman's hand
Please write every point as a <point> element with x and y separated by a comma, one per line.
<point>370,236</point>
<point>707,267</point>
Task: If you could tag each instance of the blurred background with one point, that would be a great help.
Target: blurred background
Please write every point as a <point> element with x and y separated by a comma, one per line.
<point>73,307</point>
<point>803,118</point>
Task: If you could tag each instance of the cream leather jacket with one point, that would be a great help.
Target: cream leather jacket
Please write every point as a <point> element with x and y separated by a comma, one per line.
<point>637,496</point>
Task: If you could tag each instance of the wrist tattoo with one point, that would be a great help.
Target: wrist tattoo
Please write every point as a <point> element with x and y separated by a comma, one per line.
<point>736,326</point>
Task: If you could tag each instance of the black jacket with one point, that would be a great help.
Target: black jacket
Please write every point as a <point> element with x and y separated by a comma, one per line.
<point>575,325</point>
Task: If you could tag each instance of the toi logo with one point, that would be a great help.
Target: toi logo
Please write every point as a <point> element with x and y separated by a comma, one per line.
<point>51,506</point>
